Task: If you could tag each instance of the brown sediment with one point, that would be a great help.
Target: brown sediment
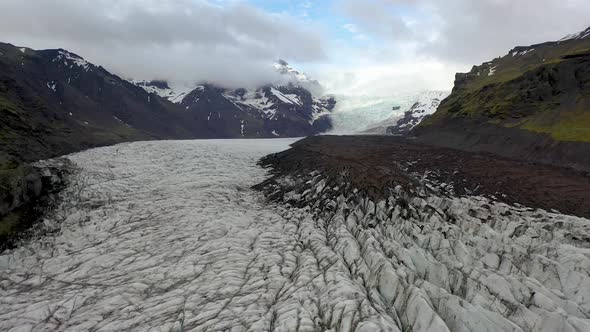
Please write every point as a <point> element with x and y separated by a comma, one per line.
<point>375,163</point>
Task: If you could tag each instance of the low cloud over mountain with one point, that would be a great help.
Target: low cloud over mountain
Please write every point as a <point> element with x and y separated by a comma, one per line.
<point>232,45</point>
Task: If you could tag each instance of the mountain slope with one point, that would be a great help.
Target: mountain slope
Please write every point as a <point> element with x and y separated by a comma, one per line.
<point>54,102</point>
<point>533,104</point>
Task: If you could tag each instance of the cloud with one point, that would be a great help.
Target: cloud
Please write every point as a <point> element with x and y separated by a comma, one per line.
<point>389,79</point>
<point>411,45</point>
<point>467,31</point>
<point>231,44</point>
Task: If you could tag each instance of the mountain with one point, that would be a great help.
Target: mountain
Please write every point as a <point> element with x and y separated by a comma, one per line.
<point>531,104</point>
<point>54,102</point>
<point>269,111</point>
<point>288,109</point>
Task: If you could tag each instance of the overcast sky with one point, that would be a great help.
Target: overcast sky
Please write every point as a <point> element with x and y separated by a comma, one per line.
<point>370,47</point>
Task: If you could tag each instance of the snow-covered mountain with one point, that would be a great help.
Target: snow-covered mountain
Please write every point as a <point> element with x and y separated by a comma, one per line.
<point>270,111</point>
<point>291,107</point>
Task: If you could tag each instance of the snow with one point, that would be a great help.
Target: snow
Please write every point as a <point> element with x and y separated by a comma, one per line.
<point>492,70</point>
<point>174,93</point>
<point>169,236</point>
<point>522,53</point>
<point>256,100</point>
<point>121,121</point>
<point>294,99</point>
<point>318,112</point>
<point>52,85</point>
<point>579,35</point>
<point>70,59</point>
<point>282,97</point>
<point>23,49</point>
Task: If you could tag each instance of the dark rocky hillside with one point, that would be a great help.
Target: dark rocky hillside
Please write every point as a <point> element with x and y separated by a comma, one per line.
<point>54,102</point>
<point>532,104</point>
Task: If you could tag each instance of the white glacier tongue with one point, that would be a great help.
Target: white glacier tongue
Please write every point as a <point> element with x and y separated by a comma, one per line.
<point>359,114</point>
<point>168,236</point>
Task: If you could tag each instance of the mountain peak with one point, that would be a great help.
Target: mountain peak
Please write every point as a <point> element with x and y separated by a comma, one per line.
<point>70,59</point>
<point>298,78</point>
<point>283,68</point>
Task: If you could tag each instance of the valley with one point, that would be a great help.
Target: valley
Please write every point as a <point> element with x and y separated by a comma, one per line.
<point>164,168</point>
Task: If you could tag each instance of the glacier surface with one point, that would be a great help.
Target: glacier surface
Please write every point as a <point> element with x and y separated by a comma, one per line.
<point>357,114</point>
<point>169,236</point>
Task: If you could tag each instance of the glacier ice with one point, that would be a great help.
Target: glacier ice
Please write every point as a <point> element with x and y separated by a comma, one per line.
<point>356,114</point>
<point>169,236</point>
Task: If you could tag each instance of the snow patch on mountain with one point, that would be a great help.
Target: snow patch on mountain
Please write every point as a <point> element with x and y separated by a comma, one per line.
<point>578,35</point>
<point>70,59</point>
<point>267,101</point>
<point>52,85</point>
<point>174,92</point>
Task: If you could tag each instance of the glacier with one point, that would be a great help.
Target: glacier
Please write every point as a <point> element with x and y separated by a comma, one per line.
<point>360,114</point>
<point>169,236</point>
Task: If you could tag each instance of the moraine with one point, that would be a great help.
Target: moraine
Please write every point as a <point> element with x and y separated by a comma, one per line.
<point>168,236</point>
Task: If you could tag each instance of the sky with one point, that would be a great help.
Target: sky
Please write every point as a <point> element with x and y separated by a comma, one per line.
<point>353,47</point>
